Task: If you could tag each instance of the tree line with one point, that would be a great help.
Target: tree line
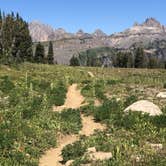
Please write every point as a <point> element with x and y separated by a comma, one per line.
<point>124,59</point>
<point>16,43</point>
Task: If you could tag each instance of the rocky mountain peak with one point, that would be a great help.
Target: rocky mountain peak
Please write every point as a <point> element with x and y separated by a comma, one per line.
<point>151,22</point>
<point>40,31</point>
<point>60,30</point>
<point>99,33</point>
<point>80,33</point>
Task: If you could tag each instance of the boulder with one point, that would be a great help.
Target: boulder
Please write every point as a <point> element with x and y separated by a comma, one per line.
<point>144,106</point>
<point>161,95</point>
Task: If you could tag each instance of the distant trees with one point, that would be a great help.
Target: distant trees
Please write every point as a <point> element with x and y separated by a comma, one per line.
<point>15,39</point>
<point>139,58</point>
<point>136,58</point>
<point>50,56</point>
<point>74,61</point>
<point>153,62</point>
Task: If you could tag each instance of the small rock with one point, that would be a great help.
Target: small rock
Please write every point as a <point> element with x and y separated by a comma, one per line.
<point>156,146</point>
<point>137,158</point>
<point>69,162</point>
<point>161,95</point>
<point>144,106</point>
<point>100,156</point>
<point>91,149</point>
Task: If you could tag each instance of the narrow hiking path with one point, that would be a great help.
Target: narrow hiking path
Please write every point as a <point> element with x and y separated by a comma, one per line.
<point>74,100</point>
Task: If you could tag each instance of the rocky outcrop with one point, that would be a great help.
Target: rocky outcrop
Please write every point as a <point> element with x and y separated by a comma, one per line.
<point>99,33</point>
<point>65,44</point>
<point>144,106</point>
<point>40,31</point>
<point>149,31</point>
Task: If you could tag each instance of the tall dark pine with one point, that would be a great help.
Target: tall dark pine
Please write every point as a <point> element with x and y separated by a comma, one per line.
<point>139,58</point>
<point>74,61</point>
<point>0,33</point>
<point>39,54</point>
<point>50,56</point>
<point>15,39</point>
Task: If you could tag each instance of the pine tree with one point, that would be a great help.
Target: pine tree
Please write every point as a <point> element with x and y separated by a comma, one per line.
<point>39,54</point>
<point>74,61</point>
<point>139,58</point>
<point>50,56</point>
<point>0,34</point>
<point>130,60</point>
<point>153,62</point>
<point>15,39</point>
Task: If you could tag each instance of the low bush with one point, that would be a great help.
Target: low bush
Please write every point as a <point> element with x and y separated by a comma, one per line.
<point>6,84</point>
<point>108,110</point>
<point>57,95</point>
<point>73,151</point>
<point>130,100</point>
<point>70,121</point>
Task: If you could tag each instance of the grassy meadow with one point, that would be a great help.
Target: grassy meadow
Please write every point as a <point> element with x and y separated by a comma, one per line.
<point>29,127</point>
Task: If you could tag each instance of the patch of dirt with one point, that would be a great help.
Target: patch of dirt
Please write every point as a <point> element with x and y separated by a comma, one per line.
<point>74,100</point>
<point>89,125</point>
<point>53,156</point>
<point>97,103</point>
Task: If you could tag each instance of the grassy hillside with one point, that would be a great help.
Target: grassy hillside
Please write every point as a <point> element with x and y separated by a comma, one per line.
<point>29,126</point>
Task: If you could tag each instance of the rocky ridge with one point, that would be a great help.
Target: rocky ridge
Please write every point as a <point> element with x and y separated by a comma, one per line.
<point>66,44</point>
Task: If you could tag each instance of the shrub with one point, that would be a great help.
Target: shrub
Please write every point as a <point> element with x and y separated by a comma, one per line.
<point>6,85</point>
<point>57,95</point>
<point>70,121</point>
<point>73,151</point>
<point>108,110</point>
<point>130,100</point>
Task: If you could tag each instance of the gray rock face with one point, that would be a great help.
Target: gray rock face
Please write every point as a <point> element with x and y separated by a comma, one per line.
<point>151,22</point>
<point>40,32</point>
<point>149,31</point>
<point>99,33</point>
<point>66,44</point>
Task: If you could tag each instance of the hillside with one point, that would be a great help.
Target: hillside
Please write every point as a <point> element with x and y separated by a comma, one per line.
<point>41,122</point>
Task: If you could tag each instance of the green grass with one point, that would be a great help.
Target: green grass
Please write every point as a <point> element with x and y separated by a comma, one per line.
<point>29,126</point>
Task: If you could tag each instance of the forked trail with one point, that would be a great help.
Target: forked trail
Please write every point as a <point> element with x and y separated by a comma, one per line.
<point>74,99</point>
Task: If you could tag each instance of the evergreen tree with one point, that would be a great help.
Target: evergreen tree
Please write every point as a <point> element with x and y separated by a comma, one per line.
<point>139,58</point>
<point>15,39</point>
<point>130,60</point>
<point>39,53</point>
<point>0,34</point>
<point>74,61</point>
<point>50,56</point>
<point>152,62</point>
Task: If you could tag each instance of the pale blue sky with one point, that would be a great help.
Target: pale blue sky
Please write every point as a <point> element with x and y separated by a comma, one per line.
<point>109,15</point>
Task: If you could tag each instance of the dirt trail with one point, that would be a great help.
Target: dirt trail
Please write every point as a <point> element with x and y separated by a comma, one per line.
<point>74,99</point>
<point>53,156</point>
<point>89,125</point>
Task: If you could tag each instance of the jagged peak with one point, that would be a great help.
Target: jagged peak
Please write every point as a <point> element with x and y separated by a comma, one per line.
<point>151,22</point>
<point>99,33</point>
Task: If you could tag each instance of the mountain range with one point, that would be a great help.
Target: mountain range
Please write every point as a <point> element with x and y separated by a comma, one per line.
<point>66,44</point>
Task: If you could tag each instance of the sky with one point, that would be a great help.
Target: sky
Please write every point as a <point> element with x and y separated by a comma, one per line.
<point>109,15</point>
